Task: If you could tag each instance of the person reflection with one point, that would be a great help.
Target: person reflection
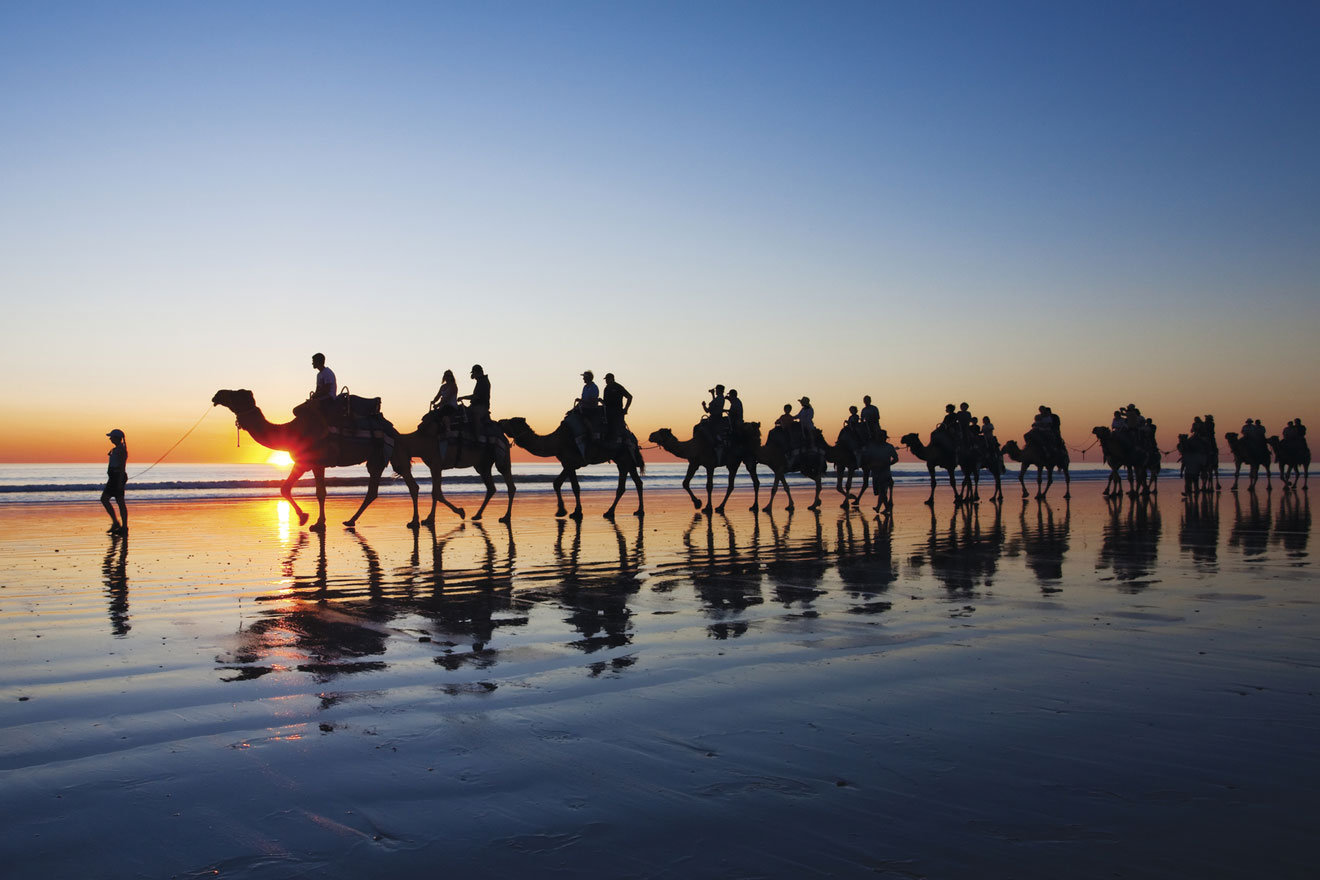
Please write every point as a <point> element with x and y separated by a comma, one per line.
<point>866,565</point>
<point>1198,533</point>
<point>966,554</point>
<point>114,568</point>
<point>1293,527</point>
<point>1130,543</point>
<point>727,580</point>
<point>1045,543</point>
<point>1251,528</point>
<point>798,564</point>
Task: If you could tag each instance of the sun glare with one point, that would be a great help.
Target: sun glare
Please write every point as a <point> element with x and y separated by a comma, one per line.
<point>280,458</point>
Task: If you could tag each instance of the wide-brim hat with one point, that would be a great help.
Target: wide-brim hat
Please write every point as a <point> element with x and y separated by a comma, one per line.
<point>806,400</point>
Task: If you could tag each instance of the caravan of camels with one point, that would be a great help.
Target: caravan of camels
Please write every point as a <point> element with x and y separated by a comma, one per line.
<point>334,429</point>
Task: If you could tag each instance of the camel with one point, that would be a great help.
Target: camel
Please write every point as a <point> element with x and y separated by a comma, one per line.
<point>1254,455</point>
<point>425,443</point>
<point>809,463</point>
<point>972,458</point>
<point>698,452</point>
<point>850,448</point>
<point>935,456</point>
<point>1294,457</point>
<point>1034,455</point>
<point>562,445</point>
<point>1197,457</point>
<point>313,449</point>
<point>1121,451</point>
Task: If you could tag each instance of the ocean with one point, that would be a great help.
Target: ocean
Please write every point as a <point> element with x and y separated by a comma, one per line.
<point>45,483</point>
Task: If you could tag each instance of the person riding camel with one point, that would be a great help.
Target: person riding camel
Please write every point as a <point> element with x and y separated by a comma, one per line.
<point>787,428</point>
<point>735,411</point>
<point>806,419</point>
<point>479,401</point>
<point>870,418</point>
<point>617,402</point>
<point>714,424</point>
<point>585,407</point>
<point>445,407</point>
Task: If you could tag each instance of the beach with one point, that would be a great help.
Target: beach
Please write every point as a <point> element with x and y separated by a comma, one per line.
<point>1081,687</point>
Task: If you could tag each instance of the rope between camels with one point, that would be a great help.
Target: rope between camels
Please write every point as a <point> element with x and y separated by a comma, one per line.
<point>176,444</point>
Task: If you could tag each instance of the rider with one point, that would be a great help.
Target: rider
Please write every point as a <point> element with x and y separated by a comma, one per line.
<point>715,425</point>
<point>870,418</point>
<point>736,410</point>
<point>479,400</point>
<point>617,402</point>
<point>585,406</point>
<point>806,419</point>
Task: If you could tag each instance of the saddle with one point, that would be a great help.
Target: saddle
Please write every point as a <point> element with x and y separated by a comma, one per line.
<point>346,416</point>
<point>462,427</point>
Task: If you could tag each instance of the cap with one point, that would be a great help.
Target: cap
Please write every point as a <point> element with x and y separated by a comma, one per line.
<point>116,434</point>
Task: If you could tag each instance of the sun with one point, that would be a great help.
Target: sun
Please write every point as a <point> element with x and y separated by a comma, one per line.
<point>280,458</point>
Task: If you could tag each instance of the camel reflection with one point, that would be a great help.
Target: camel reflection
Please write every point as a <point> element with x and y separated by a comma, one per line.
<point>466,604</point>
<point>1251,527</point>
<point>594,594</point>
<point>1293,527</point>
<point>1043,540</point>
<point>114,569</point>
<point>726,578</point>
<point>866,565</point>
<point>965,554</point>
<point>1131,542</point>
<point>325,628</point>
<point>797,564</point>
<point>1198,534</point>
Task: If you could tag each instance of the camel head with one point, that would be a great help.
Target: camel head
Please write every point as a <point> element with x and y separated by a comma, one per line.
<point>1100,431</point>
<point>752,432</point>
<point>514,426</point>
<point>661,437</point>
<point>910,440</point>
<point>1011,449</point>
<point>238,401</point>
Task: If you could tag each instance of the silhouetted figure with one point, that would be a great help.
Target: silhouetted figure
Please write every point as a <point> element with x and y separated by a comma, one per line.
<point>882,476</point>
<point>445,405</point>
<point>326,386</point>
<point>736,411</point>
<point>870,418</point>
<point>479,400</point>
<point>806,419</point>
<point>618,400</point>
<point>585,409</point>
<point>988,433</point>
<point>714,424</point>
<point>116,480</point>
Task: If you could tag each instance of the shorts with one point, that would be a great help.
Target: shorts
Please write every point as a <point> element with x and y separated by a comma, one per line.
<point>114,487</point>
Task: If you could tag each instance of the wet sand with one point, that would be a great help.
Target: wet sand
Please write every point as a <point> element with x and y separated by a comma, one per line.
<point>1051,689</point>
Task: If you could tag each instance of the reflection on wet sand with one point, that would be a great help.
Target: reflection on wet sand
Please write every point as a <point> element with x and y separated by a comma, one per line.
<point>1198,534</point>
<point>963,554</point>
<point>1131,542</point>
<point>114,569</point>
<point>337,613</point>
<point>1043,541</point>
<point>1251,525</point>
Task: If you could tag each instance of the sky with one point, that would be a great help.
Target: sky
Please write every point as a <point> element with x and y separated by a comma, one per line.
<point>1076,204</point>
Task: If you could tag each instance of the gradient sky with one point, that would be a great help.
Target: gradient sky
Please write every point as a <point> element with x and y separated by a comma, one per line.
<point>1005,203</point>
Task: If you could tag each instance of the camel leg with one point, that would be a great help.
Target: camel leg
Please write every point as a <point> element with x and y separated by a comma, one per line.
<point>733,475</point>
<point>577,495</point>
<point>637,484</point>
<point>319,525</point>
<point>286,490</point>
<point>710,489</point>
<point>438,495</point>
<point>486,478</point>
<point>402,465</point>
<point>373,488</point>
<point>687,484</point>
<point>815,504</point>
<point>506,471</point>
<point>559,495</point>
<point>1067,484</point>
<point>756,485</point>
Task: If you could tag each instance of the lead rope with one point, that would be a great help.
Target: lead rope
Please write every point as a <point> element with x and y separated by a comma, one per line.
<point>176,443</point>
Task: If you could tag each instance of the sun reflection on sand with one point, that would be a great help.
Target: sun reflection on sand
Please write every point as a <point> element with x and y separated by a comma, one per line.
<point>283,513</point>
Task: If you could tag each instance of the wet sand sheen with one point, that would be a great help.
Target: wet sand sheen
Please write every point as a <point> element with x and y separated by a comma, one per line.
<point>1085,688</point>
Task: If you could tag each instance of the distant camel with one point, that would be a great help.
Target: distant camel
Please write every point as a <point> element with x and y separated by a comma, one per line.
<point>1043,461</point>
<point>312,448</point>
<point>1122,451</point>
<point>972,458</point>
<point>489,453</point>
<point>1294,457</point>
<point>811,463</point>
<point>562,444</point>
<point>741,451</point>
<point>1197,454</point>
<point>849,450</point>
<point>935,456</point>
<point>1254,455</point>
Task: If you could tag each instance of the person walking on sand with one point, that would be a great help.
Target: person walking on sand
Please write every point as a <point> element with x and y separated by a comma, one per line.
<point>116,480</point>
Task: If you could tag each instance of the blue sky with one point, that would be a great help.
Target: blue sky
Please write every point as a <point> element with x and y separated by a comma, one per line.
<point>1009,203</point>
